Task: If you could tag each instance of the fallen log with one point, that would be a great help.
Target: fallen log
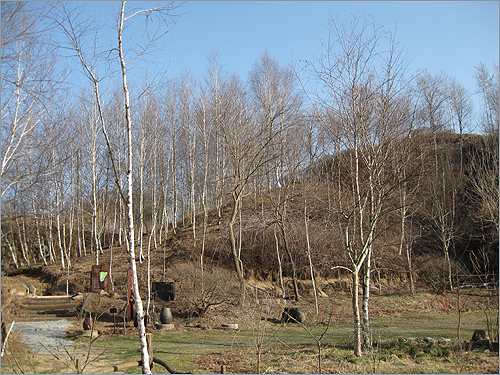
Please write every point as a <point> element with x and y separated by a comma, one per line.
<point>169,369</point>
<point>126,365</point>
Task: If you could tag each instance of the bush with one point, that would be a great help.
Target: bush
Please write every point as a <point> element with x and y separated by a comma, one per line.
<point>201,291</point>
<point>433,271</point>
<point>416,350</point>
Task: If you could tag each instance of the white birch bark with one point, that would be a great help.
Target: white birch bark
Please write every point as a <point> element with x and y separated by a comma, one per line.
<point>135,283</point>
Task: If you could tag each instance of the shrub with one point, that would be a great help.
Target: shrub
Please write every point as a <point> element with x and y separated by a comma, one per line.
<point>203,290</point>
<point>433,271</point>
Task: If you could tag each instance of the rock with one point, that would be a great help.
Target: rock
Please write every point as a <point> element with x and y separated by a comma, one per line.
<point>401,339</point>
<point>294,315</point>
<point>429,339</point>
<point>443,340</point>
<point>480,345</point>
<point>494,346</point>
<point>479,334</point>
<point>230,326</point>
<point>322,294</point>
<point>165,327</point>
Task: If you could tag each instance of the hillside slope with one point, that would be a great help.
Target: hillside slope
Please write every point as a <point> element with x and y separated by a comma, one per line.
<point>261,239</point>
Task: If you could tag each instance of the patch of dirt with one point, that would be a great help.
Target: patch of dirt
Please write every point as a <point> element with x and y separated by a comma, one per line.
<point>234,362</point>
<point>300,359</point>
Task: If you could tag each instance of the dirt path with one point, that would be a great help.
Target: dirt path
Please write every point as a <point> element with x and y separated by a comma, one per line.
<point>44,337</point>
<point>41,347</point>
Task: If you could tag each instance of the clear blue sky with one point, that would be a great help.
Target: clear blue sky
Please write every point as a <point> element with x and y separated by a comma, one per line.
<point>451,36</point>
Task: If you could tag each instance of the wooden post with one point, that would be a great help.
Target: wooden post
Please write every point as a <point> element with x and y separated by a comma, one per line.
<point>113,311</point>
<point>125,321</point>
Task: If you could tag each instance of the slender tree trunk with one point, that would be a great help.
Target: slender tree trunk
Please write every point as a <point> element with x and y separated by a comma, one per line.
<point>22,241</point>
<point>121,215</point>
<point>135,283</point>
<point>26,248</point>
<point>292,263</point>
<point>309,257</point>
<point>366,297</point>
<point>141,201</point>
<point>238,265</point>
<point>141,222</point>
<point>13,252</point>
<point>174,189</point>
<point>152,235</point>
<point>67,249</point>
<point>38,236</point>
<point>356,313</point>
<point>58,228</point>
<point>410,268</point>
<point>58,222</point>
<point>204,198</point>
<point>219,178</point>
<point>117,201</point>
<point>192,147</point>
<point>50,241</point>
<point>95,209</point>
<point>280,268</point>
<point>82,227</point>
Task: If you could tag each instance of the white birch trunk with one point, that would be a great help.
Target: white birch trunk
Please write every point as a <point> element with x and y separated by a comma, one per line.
<point>135,284</point>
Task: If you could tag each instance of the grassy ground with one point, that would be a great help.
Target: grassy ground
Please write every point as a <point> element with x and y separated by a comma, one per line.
<point>202,346</point>
<point>293,348</point>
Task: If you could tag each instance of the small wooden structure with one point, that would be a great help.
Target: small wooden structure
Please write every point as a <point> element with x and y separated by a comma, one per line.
<point>100,278</point>
<point>164,290</point>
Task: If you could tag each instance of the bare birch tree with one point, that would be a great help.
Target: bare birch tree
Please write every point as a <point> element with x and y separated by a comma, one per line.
<point>364,117</point>
<point>246,144</point>
<point>460,104</point>
<point>488,86</point>
<point>29,86</point>
<point>278,105</point>
<point>163,12</point>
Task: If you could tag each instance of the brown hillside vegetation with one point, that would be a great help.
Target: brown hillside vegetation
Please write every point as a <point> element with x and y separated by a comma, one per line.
<point>475,240</point>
